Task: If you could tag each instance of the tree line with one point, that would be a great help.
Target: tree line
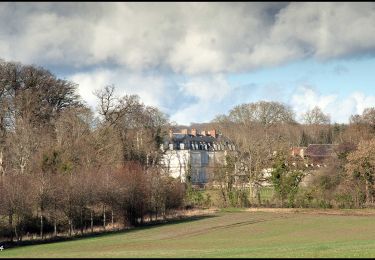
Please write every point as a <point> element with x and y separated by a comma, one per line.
<point>264,132</point>
<point>64,170</point>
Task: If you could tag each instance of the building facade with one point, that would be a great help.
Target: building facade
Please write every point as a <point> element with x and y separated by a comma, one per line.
<point>194,155</point>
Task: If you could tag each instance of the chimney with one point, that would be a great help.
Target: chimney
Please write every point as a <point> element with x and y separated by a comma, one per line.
<point>184,131</point>
<point>203,133</point>
<point>170,133</point>
<point>212,133</point>
<point>194,132</point>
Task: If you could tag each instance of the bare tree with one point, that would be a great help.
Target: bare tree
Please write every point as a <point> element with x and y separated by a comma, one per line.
<point>138,127</point>
<point>361,164</point>
<point>263,112</point>
<point>316,116</point>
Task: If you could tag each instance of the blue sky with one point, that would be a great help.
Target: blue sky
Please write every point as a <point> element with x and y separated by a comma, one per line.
<point>197,60</point>
<point>340,78</point>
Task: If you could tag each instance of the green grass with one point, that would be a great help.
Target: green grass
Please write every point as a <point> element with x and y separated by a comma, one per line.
<point>227,234</point>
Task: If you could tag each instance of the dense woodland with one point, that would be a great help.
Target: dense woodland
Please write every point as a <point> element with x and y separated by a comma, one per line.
<point>66,169</point>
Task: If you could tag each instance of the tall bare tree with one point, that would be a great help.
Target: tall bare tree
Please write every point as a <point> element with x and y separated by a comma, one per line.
<point>361,164</point>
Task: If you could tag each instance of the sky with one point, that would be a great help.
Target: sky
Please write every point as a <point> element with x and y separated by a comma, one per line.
<point>198,60</point>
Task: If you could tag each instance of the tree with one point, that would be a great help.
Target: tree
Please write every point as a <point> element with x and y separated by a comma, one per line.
<point>59,164</point>
<point>357,130</point>
<point>285,180</point>
<point>23,142</point>
<point>224,176</point>
<point>139,127</point>
<point>258,130</point>
<point>355,119</point>
<point>305,139</point>
<point>316,116</point>
<point>131,193</point>
<point>368,116</point>
<point>262,112</point>
<point>17,203</point>
<point>361,164</point>
<point>318,126</point>
<point>34,94</point>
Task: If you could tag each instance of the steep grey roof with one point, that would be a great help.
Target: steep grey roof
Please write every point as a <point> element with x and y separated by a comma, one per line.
<point>188,140</point>
<point>318,153</point>
<point>319,150</point>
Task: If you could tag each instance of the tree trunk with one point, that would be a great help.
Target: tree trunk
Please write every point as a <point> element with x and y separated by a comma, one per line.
<point>81,220</point>
<point>54,227</point>
<point>2,172</point>
<point>258,196</point>
<point>251,193</point>
<point>11,226</point>
<point>104,216</point>
<point>41,225</point>
<point>137,141</point>
<point>15,228</point>
<point>54,222</point>
<point>70,227</point>
<point>15,232</point>
<point>367,193</point>
<point>70,214</point>
<point>112,217</point>
<point>92,222</point>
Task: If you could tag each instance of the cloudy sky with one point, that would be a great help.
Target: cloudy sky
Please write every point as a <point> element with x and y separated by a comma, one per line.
<point>197,60</point>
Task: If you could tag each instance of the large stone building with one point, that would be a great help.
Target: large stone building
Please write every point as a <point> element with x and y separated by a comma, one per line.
<point>194,155</point>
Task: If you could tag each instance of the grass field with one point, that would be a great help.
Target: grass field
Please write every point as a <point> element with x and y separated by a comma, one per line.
<point>307,233</point>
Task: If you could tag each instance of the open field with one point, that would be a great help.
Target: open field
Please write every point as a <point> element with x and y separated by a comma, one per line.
<point>250,233</point>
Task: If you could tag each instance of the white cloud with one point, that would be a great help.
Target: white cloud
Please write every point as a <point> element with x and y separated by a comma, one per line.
<point>200,99</point>
<point>89,82</point>
<point>207,88</point>
<point>206,94</point>
<point>339,109</point>
<point>200,42</point>
<point>307,98</point>
<point>361,101</point>
<point>209,92</point>
<point>151,89</point>
<point>188,38</point>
